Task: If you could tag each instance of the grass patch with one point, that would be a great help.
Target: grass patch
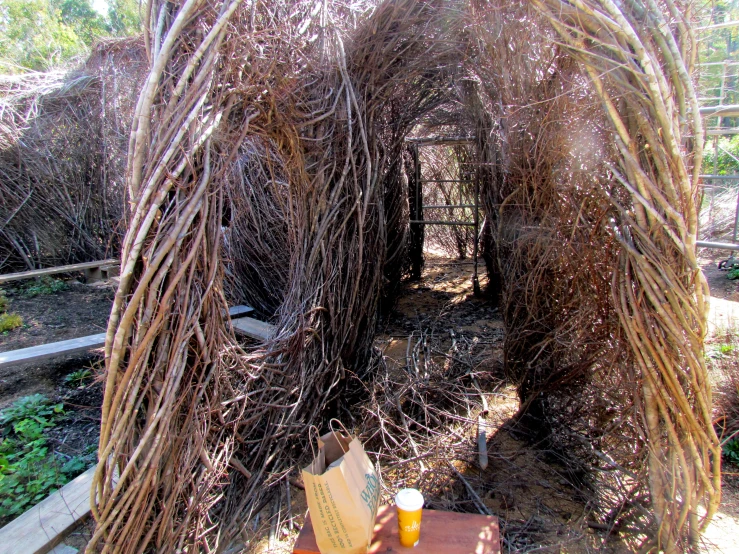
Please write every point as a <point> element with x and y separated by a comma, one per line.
<point>8,322</point>
<point>43,285</point>
<point>29,468</point>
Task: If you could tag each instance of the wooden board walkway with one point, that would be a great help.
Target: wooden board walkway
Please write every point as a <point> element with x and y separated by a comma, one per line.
<point>51,350</point>
<point>44,526</point>
<point>253,328</point>
<point>441,533</point>
<point>87,266</point>
<point>83,344</point>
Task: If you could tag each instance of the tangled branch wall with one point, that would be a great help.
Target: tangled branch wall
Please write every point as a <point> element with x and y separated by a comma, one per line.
<point>283,123</point>
<point>63,143</point>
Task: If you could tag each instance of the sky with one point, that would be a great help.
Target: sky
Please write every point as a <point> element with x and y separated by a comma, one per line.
<point>101,6</point>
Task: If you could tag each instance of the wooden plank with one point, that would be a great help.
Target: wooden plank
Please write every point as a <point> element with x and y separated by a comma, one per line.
<point>59,269</point>
<point>44,526</point>
<point>253,328</point>
<point>236,311</point>
<point>51,350</point>
<point>441,533</point>
<point>73,346</point>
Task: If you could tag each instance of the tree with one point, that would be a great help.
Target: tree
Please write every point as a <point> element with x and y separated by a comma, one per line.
<point>124,17</point>
<point>42,34</point>
<point>33,36</point>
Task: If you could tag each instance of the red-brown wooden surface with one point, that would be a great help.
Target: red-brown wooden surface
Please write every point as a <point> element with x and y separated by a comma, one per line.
<point>441,533</point>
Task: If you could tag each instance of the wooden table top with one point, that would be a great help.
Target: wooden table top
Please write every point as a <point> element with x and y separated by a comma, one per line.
<point>441,533</point>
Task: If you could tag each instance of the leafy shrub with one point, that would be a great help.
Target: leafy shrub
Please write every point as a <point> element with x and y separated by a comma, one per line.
<point>727,156</point>
<point>731,451</point>
<point>8,322</point>
<point>35,406</point>
<point>29,471</point>
<point>44,285</point>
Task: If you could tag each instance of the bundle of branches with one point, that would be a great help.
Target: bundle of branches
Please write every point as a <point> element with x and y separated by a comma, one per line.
<point>594,222</point>
<point>584,115</point>
<point>199,430</point>
<point>422,415</point>
<point>62,151</point>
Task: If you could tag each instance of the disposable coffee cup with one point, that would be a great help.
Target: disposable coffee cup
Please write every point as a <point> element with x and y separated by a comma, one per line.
<point>409,503</point>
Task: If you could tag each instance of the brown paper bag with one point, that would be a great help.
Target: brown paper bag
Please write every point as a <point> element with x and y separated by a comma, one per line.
<point>343,490</point>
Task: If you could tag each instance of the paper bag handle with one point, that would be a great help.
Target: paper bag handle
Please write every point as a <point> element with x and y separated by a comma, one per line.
<point>331,426</point>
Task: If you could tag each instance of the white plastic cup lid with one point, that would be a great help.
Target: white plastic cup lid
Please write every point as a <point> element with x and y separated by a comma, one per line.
<point>409,500</point>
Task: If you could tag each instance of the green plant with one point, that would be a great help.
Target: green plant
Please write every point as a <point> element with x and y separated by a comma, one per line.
<point>35,406</point>
<point>8,322</point>
<point>731,450</point>
<point>3,302</point>
<point>733,273</point>
<point>43,285</point>
<point>28,471</point>
<point>719,351</point>
<point>78,378</point>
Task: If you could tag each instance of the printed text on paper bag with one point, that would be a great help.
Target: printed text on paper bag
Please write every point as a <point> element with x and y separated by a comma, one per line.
<point>371,493</point>
<point>331,520</point>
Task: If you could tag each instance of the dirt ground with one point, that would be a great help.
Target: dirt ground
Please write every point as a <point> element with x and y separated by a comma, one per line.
<point>78,311</point>
<point>539,506</point>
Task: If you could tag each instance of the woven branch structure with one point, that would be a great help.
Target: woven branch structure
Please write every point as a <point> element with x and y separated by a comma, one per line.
<point>63,143</point>
<point>267,162</point>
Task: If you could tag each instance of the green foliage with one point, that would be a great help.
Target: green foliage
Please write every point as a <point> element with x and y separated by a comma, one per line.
<point>726,348</point>
<point>728,156</point>
<point>34,36</point>
<point>35,406</point>
<point>719,351</point>
<point>8,322</point>
<point>124,17</point>
<point>42,34</point>
<point>78,378</point>
<point>718,84</point>
<point>79,15</point>
<point>731,451</point>
<point>44,285</point>
<point>28,470</point>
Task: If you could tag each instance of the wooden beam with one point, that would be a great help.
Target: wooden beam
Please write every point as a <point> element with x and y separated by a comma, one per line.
<point>236,311</point>
<point>724,25</point>
<point>59,269</point>
<point>731,110</point>
<point>439,141</point>
<point>253,328</point>
<point>75,346</point>
<point>717,245</point>
<point>51,350</point>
